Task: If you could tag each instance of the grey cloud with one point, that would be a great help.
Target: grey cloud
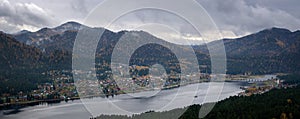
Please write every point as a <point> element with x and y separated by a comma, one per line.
<point>290,6</point>
<point>6,26</point>
<point>79,6</point>
<point>5,9</point>
<point>22,14</point>
<point>241,17</point>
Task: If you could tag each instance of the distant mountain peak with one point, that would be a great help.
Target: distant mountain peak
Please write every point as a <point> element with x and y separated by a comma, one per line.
<point>273,32</point>
<point>44,29</point>
<point>277,30</point>
<point>22,32</point>
<point>71,25</point>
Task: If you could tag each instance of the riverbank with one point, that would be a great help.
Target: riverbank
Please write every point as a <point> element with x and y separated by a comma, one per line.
<point>22,104</point>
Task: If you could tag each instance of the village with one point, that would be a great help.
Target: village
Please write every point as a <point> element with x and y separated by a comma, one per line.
<point>63,88</point>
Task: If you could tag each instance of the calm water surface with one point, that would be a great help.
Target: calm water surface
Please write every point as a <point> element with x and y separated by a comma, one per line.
<point>127,104</point>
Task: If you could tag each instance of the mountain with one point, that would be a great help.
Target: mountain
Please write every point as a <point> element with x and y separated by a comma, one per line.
<point>269,42</point>
<point>46,35</point>
<point>24,56</point>
<point>18,57</point>
<point>268,51</point>
<point>15,55</point>
<point>21,66</point>
<point>69,26</point>
<point>22,32</point>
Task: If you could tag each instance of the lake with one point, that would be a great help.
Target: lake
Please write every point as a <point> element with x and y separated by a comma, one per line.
<point>128,104</point>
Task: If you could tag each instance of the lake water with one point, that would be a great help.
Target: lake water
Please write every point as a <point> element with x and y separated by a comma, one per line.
<point>128,104</point>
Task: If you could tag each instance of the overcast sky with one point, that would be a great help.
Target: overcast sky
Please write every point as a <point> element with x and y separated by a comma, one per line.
<point>240,17</point>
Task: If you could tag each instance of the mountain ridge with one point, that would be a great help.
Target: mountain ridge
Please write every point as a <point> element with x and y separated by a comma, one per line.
<point>265,51</point>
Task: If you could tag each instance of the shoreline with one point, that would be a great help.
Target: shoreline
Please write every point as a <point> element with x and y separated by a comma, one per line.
<point>24,104</point>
